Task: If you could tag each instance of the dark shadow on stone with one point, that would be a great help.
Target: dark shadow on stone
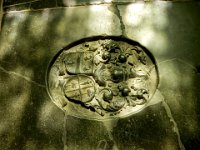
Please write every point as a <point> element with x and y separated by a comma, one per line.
<point>184,35</point>
<point>149,129</point>
<point>28,58</point>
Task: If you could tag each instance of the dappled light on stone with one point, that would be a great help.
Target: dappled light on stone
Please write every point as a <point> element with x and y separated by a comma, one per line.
<point>11,33</point>
<point>148,26</point>
<point>39,24</point>
<point>183,85</point>
<point>36,31</point>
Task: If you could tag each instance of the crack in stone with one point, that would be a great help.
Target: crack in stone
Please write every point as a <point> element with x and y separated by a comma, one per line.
<point>160,100</point>
<point>109,125</point>
<point>21,3</point>
<point>65,132</point>
<point>114,9</point>
<point>51,8</point>
<point>175,128</point>
<point>123,29</point>
<point>173,59</point>
<point>167,108</point>
<point>77,4</point>
<point>179,60</point>
<point>21,76</point>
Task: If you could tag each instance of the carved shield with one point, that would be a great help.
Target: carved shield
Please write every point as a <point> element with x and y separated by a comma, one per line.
<point>79,62</point>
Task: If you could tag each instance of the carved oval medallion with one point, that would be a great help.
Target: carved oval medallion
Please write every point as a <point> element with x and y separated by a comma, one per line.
<point>102,78</point>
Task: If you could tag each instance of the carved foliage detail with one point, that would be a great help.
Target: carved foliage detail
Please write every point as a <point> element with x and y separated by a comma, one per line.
<point>105,75</point>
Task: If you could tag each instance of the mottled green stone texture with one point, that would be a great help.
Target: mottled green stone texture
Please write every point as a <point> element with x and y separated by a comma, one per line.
<point>33,33</point>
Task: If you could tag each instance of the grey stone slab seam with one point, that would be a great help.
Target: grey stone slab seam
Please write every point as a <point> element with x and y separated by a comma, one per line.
<point>24,5</point>
<point>21,76</point>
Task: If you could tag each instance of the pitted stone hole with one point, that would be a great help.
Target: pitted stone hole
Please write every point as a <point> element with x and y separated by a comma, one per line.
<point>102,78</point>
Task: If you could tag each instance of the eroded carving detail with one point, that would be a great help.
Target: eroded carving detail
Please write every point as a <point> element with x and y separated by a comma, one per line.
<point>105,76</point>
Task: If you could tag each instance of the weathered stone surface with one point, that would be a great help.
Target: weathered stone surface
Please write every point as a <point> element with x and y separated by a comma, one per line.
<point>150,129</point>
<point>28,42</point>
<point>86,134</point>
<point>1,12</point>
<point>172,36</point>
<point>56,28</point>
<point>181,91</point>
<point>17,5</point>
<point>30,39</point>
<point>12,5</point>
<point>161,27</point>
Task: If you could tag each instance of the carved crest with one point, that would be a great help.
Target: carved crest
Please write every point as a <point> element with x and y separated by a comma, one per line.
<point>104,76</point>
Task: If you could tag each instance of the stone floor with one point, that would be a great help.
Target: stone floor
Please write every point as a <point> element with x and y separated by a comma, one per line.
<point>32,36</point>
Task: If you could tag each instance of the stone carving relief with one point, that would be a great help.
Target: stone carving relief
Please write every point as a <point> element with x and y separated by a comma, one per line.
<point>104,77</point>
